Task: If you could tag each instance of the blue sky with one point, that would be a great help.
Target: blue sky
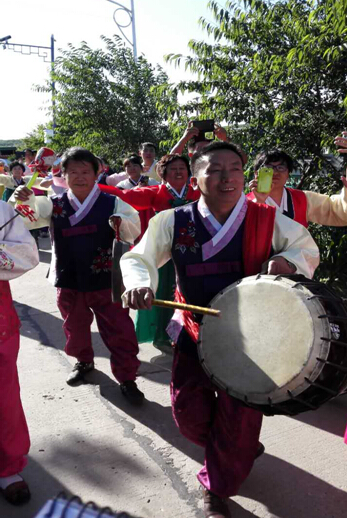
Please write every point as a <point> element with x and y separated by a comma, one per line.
<point>162,26</point>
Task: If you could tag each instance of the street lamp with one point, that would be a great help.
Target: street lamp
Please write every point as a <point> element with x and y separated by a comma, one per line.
<point>131,15</point>
<point>35,49</point>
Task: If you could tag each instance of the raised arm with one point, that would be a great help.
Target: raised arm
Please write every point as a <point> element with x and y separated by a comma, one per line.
<point>327,210</point>
<point>189,133</point>
<point>139,198</point>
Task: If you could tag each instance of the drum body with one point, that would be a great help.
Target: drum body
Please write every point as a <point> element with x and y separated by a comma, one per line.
<point>280,345</point>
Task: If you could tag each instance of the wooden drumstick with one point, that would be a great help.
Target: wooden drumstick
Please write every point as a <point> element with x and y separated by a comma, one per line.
<point>187,307</point>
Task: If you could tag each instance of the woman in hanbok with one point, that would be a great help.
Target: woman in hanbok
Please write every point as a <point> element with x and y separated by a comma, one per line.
<point>134,169</point>
<point>173,192</point>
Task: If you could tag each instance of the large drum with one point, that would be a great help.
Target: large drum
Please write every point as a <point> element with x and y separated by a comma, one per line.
<point>280,345</point>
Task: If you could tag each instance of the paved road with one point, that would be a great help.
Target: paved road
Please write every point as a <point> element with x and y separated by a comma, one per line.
<point>89,441</point>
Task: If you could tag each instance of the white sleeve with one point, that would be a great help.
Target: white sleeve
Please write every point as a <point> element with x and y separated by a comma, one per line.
<point>130,227</point>
<point>40,209</point>
<point>115,178</point>
<point>152,181</point>
<point>7,181</point>
<point>294,242</point>
<point>140,265</point>
<point>327,210</point>
<point>18,250</point>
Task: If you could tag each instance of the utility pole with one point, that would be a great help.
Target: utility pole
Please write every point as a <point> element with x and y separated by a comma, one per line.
<point>41,52</point>
<point>131,14</point>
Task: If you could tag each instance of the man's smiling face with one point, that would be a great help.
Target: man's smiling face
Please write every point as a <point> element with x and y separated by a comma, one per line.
<point>219,176</point>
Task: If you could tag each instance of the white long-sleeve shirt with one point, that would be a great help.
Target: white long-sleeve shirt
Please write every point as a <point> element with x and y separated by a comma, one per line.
<point>18,250</point>
<point>140,266</point>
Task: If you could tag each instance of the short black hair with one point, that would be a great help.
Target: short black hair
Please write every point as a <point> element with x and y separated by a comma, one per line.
<point>15,163</point>
<point>273,155</point>
<point>133,159</point>
<point>30,151</point>
<point>216,146</point>
<point>147,144</point>
<point>79,154</point>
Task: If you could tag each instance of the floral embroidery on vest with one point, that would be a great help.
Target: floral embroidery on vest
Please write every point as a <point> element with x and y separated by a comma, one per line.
<point>186,239</point>
<point>103,261</point>
<point>6,263</point>
<point>58,209</point>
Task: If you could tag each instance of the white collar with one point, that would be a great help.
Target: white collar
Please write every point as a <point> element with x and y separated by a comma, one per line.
<point>206,213</point>
<point>86,201</point>
<point>182,191</point>
<point>283,207</point>
<point>222,229</point>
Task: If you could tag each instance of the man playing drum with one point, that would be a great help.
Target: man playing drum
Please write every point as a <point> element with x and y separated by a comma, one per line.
<point>214,242</point>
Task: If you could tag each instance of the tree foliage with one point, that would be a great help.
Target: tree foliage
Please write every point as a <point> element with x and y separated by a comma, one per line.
<point>275,74</point>
<point>35,139</point>
<point>104,100</point>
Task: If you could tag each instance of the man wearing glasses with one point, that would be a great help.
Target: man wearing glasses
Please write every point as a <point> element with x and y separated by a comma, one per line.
<point>302,206</point>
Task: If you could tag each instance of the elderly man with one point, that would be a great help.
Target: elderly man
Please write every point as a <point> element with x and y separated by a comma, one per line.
<point>233,238</point>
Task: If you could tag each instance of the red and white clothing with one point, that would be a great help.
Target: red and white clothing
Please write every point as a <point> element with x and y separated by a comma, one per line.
<point>18,254</point>
<point>208,255</point>
<point>81,270</point>
<point>158,197</point>
<point>307,206</point>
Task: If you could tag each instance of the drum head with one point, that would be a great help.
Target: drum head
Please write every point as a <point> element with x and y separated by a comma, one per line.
<point>266,341</point>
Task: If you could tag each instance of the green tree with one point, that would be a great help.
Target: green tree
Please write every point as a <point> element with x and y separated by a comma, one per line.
<point>276,76</point>
<point>35,139</point>
<point>104,100</point>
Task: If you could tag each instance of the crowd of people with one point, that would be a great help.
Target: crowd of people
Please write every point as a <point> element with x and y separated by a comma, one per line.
<point>192,232</point>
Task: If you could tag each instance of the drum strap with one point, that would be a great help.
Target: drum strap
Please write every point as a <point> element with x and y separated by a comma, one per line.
<point>259,226</point>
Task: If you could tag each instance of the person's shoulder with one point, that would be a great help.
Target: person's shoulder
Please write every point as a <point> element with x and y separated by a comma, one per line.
<point>123,184</point>
<point>6,208</point>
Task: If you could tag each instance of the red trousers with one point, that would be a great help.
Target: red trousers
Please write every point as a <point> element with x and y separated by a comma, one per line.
<point>14,435</point>
<point>115,327</point>
<point>207,416</point>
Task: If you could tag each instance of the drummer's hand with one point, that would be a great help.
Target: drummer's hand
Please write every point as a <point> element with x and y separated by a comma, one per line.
<point>22,193</point>
<point>279,265</point>
<point>341,143</point>
<point>259,196</point>
<point>139,298</point>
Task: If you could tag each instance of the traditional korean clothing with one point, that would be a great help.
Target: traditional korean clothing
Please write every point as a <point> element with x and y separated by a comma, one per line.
<point>208,257</point>
<point>18,254</point>
<point>151,325</point>
<point>307,206</point>
<point>145,214</point>
<point>11,184</point>
<point>81,270</point>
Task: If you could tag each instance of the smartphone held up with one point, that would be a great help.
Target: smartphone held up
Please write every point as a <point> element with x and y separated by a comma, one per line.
<point>265,175</point>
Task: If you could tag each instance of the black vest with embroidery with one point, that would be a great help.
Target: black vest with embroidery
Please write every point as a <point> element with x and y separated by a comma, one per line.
<point>83,252</point>
<point>199,281</point>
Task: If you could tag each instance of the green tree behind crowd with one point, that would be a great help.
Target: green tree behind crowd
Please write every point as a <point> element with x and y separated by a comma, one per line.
<point>104,101</point>
<point>275,75</point>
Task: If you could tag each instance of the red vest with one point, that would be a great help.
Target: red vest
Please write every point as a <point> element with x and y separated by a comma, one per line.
<point>257,242</point>
<point>299,205</point>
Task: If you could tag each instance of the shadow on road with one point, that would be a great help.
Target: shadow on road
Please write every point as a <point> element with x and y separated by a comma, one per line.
<point>331,417</point>
<point>43,486</point>
<point>288,491</point>
<point>152,415</point>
